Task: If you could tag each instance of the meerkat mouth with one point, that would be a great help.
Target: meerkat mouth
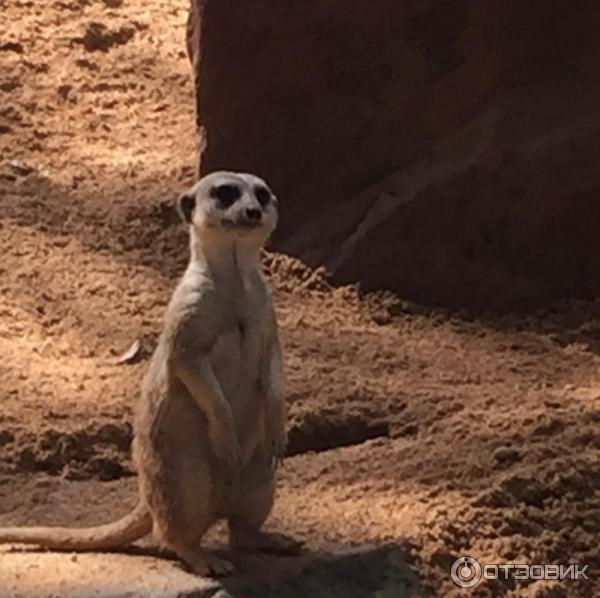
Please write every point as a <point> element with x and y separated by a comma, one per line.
<point>240,223</point>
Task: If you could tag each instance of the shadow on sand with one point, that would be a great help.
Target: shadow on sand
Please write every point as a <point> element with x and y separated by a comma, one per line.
<point>361,573</point>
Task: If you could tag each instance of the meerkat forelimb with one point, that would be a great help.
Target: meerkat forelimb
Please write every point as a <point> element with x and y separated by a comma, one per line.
<point>196,373</point>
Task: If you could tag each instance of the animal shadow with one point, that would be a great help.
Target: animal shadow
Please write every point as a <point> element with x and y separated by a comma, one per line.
<point>378,572</point>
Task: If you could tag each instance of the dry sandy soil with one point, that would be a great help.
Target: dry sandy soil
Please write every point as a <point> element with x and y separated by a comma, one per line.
<point>416,435</point>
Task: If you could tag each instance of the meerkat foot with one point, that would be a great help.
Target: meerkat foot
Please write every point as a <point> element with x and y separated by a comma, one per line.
<point>208,565</point>
<point>218,566</point>
<point>268,542</point>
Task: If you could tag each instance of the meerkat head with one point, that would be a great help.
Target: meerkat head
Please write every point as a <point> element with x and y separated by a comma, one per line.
<point>238,205</point>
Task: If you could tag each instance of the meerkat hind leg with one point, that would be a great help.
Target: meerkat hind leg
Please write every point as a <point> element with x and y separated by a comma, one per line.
<point>247,518</point>
<point>181,502</point>
<point>185,543</point>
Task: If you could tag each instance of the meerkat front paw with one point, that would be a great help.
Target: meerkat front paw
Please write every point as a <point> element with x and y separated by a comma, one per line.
<point>278,449</point>
<point>226,446</point>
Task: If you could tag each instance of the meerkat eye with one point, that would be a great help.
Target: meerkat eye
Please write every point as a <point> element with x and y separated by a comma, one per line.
<point>226,194</point>
<point>262,194</point>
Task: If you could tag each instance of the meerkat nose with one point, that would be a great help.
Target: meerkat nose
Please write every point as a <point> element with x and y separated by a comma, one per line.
<point>253,213</point>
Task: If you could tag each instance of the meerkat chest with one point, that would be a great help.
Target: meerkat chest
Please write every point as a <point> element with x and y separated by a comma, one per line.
<point>236,356</point>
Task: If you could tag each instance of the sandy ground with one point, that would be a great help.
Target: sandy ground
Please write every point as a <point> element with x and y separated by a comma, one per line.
<point>416,435</point>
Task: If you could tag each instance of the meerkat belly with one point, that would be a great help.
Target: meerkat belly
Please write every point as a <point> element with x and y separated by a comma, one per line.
<point>236,362</point>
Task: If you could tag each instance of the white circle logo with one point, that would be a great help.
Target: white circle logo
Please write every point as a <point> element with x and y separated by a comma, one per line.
<point>465,572</point>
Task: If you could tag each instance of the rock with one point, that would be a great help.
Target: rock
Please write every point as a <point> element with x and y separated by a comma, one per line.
<point>20,167</point>
<point>506,455</point>
<point>445,151</point>
<point>42,575</point>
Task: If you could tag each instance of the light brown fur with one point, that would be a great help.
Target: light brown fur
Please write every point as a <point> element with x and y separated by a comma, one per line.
<point>210,425</point>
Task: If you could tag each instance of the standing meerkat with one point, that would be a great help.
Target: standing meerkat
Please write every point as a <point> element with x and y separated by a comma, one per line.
<point>210,426</point>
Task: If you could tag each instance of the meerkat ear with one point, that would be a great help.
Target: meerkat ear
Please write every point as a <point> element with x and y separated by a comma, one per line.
<point>185,206</point>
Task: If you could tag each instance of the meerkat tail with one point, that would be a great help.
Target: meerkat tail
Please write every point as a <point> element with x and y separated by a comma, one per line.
<point>133,526</point>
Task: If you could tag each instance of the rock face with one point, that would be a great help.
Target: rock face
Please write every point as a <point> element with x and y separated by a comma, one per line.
<point>444,150</point>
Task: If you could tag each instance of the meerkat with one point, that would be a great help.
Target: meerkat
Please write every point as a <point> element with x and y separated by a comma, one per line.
<point>209,429</point>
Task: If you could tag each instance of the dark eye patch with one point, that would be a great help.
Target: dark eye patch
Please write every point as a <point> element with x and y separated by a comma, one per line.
<point>226,194</point>
<point>262,194</point>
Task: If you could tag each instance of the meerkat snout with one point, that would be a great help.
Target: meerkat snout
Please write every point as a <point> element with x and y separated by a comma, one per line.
<point>240,203</point>
<point>253,214</point>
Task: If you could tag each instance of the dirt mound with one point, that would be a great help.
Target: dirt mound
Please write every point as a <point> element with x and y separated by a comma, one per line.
<point>417,435</point>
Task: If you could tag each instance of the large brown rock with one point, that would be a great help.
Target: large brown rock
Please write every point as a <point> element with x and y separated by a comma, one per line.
<point>445,150</point>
